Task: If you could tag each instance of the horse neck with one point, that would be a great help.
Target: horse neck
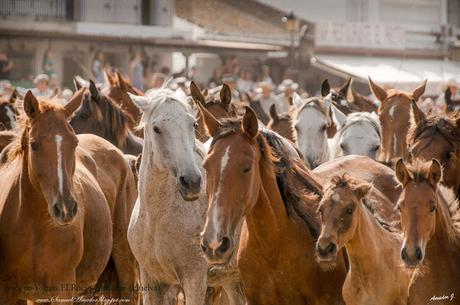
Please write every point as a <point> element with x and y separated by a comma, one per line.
<point>132,144</point>
<point>268,219</point>
<point>365,248</point>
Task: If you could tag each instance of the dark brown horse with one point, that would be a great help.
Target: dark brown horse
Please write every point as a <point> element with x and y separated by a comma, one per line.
<point>394,113</point>
<point>8,112</point>
<point>363,103</point>
<point>100,115</point>
<point>55,225</point>
<point>430,220</point>
<point>282,124</point>
<point>451,104</point>
<point>339,96</point>
<point>251,176</point>
<point>437,137</point>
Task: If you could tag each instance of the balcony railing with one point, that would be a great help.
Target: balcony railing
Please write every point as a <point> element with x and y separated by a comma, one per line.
<point>37,9</point>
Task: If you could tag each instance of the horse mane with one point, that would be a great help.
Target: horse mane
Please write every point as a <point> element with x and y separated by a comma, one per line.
<point>449,205</point>
<point>296,185</point>
<point>446,126</point>
<point>345,181</point>
<point>118,119</point>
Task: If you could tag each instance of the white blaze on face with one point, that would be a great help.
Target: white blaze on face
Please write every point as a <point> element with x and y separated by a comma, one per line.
<point>60,174</point>
<point>391,112</point>
<point>11,117</point>
<point>215,216</point>
<point>395,144</point>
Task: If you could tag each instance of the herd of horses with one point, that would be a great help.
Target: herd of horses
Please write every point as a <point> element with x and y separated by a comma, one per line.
<point>173,197</point>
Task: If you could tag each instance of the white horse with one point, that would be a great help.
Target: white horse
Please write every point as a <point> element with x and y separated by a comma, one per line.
<point>311,120</point>
<point>165,227</point>
<point>359,133</point>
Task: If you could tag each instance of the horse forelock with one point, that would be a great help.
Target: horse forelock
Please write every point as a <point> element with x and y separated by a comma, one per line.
<point>360,117</point>
<point>442,125</point>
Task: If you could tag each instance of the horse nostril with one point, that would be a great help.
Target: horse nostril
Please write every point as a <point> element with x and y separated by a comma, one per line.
<point>182,181</point>
<point>224,245</point>
<point>56,210</point>
<point>418,253</point>
<point>203,248</point>
<point>331,248</point>
<point>404,254</point>
<point>74,209</point>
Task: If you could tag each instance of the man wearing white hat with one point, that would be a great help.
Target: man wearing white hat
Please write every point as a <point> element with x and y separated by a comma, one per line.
<point>267,98</point>
<point>41,86</point>
<point>286,89</point>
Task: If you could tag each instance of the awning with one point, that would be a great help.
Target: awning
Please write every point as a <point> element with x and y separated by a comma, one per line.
<point>404,74</point>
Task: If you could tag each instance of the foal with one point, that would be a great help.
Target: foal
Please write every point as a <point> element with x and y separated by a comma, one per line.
<point>348,219</point>
<point>252,178</point>
<point>430,219</point>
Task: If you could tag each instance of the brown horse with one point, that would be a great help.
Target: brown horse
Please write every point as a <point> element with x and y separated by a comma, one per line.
<point>339,96</point>
<point>281,123</point>
<point>430,219</point>
<point>118,91</point>
<point>437,137</point>
<point>52,208</point>
<point>100,115</point>
<point>219,108</point>
<point>394,113</point>
<point>8,112</point>
<point>350,219</point>
<point>451,104</point>
<point>6,137</point>
<point>362,102</point>
<point>251,176</point>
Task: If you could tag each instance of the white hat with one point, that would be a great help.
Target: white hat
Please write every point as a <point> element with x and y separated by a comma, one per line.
<point>41,77</point>
<point>288,84</point>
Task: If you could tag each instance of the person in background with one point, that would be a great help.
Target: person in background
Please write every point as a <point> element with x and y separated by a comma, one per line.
<point>244,82</point>
<point>42,89</point>
<point>231,80</point>
<point>286,89</point>
<point>453,85</point>
<point>136,70</point>
<point>266,97</point>
<point>6,65</point>
<point>266,78</point>
<point>157,80</point>
<point>48,63</point>
<point>98,67</point>
<point>216,78</point>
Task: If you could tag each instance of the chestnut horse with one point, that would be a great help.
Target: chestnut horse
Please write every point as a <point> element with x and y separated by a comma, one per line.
<point>430,220</point>
<point>100,115</point>
<point>437,137</point>
<point>350,219</point>
<point>394,113</point>
<point>55,225</point>
<point>251,177</point>
<point>219,108</point>
<point>281,123</point>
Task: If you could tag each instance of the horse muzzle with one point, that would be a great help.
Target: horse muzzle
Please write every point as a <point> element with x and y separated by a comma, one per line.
<point>217,252</point>
<point>64,210</point>
<point>190,187</point>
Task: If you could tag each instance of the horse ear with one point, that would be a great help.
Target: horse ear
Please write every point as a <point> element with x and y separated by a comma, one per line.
<point>339,116</point>
<point>140,101</point>
<point>225,95</point>
<point>31,106</point>
<point>14,96</point>
<point>197,95</point>
<point>354,94</point>
<point>345,86</point>
<point>273,113</point>
<point>402,174</point>
<point>74,102</point>
<point>297,100</point>
<point>93,89</point>
<point>109,78</point>
<point>211,123</point>
<point>362,190</point>
<point>119,80</point>
<point>435,174</point>
<point>76,84</point>
<point>417,115</point>
<point>205,92</point>
<point>325,88</point>
<point>378,91</point>
<point>250,124</point>
<point>448,95</point>
<point>418,92</point>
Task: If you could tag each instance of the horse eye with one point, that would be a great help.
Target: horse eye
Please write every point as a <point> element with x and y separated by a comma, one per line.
<point>156,129</point>
<point>323,128</point>
<point>376,147</point>
<point>195,125</point>
<point>246,170</point>
<point>349,211</point>
<point>433,208</point>
<point>84,116</point>
<point>34,146</point>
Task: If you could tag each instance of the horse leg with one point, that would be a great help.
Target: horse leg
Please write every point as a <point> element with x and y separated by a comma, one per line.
<point>125,266</point>
<point>235,294</point>
<point>155,297</point>
<point>194,290</point>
